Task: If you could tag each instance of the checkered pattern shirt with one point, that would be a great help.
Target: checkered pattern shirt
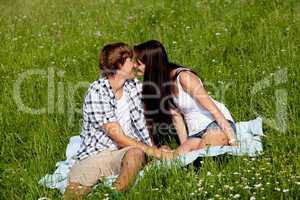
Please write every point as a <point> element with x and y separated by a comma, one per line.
<point>100,108</point>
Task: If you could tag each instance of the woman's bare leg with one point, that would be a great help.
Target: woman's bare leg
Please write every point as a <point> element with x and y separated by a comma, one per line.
<point>189,145</point>
<point>213,137</point>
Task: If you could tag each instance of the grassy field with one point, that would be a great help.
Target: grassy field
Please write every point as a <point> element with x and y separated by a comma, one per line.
<point>247,53</point>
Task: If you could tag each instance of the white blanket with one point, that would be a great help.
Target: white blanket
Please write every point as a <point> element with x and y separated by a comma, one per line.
<point>248,134</point>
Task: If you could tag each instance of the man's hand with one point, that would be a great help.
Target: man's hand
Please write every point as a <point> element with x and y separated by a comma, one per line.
<point>165,148</point>
<point>168,155</point>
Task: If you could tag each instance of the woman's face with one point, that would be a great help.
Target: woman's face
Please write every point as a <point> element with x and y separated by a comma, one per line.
<point>140,67</point>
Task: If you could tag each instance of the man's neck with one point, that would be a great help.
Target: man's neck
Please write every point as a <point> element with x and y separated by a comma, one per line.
<point>117,83</point>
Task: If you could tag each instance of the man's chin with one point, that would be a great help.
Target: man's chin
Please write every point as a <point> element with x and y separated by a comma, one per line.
<point>131,77</point>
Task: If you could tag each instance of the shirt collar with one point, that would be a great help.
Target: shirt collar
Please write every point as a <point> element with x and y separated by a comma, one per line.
<point>103,81</point>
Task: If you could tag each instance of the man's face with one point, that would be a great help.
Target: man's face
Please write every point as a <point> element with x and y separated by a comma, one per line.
<point>126,70</point>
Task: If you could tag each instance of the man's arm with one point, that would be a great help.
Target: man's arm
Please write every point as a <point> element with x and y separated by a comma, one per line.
<point>115,132</point>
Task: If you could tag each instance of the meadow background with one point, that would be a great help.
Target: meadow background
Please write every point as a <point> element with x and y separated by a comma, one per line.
<point>233,45</point>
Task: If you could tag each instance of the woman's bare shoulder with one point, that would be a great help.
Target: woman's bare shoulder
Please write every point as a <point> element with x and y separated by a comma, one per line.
<point>189,79</point>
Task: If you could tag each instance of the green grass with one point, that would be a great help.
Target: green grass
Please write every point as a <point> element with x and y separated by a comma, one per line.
<point>233,45</point>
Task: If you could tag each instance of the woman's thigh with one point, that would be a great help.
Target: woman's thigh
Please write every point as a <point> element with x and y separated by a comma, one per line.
<point>189,145</point>
<point>214,137</point>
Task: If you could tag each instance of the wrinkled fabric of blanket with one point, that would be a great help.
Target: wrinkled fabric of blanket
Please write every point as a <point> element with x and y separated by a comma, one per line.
<point>249,135</point>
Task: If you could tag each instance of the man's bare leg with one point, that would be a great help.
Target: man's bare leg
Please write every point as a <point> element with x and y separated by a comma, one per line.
<point>75,191</point>
<point>133,161</point>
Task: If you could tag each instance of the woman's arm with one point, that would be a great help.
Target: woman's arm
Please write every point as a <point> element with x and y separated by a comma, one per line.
<point>192,85</point>
<point>179,124</point>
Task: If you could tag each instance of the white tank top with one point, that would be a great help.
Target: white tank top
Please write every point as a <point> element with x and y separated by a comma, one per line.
<point>123,115</point>
<point>197,117</point>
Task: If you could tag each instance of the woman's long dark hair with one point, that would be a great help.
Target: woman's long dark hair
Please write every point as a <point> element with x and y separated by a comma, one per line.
<point>157,84</point>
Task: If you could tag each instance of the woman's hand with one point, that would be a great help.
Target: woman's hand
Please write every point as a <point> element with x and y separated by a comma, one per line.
<point>161,153</point>
<point>229,132</point>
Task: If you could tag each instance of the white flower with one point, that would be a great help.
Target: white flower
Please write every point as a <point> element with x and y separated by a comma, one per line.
<point>252,198</point>
<point>217,33</point>
<point>43,198</point>
<point>98,34</point>
<point>236,196</point>
<point>257,185</point>
<point>285,190</point>
<point>247,187</point>
<point>209,173</point>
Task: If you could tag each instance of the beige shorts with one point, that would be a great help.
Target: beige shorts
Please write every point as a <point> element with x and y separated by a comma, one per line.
<point>90,170</point>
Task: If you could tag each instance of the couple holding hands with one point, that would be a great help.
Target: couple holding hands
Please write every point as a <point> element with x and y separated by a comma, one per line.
<point>119,111</point>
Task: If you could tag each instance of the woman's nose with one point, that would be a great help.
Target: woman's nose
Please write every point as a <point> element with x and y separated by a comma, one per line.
<point>135,65</point>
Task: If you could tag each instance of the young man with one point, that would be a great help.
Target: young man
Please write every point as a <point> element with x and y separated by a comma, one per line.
<point>114,134</point>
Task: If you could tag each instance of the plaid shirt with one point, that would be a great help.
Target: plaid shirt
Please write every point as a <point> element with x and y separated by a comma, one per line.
<point>100,108</point>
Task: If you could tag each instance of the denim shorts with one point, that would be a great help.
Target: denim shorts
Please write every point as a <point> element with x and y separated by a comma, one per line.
<point>212,125</point>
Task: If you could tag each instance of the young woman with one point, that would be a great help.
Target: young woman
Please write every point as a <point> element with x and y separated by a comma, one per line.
<point>174,93</point>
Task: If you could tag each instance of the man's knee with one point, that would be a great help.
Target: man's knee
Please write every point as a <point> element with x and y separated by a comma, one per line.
<point>136,154</point>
